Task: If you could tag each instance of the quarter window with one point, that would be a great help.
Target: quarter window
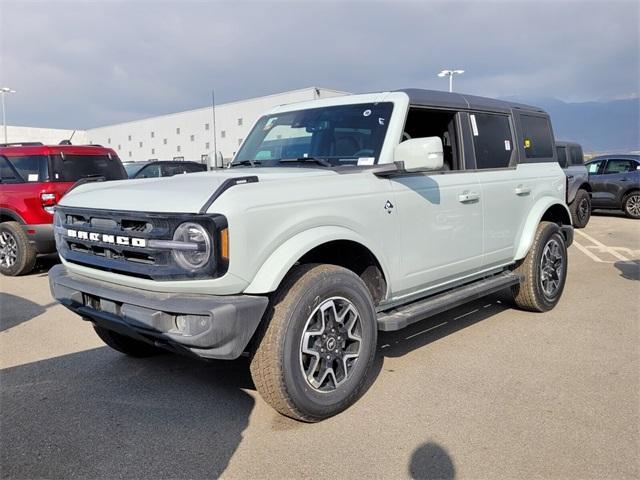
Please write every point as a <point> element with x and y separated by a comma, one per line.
<point>575,155</point>
<point>536,132</point>
<point>492,140</point>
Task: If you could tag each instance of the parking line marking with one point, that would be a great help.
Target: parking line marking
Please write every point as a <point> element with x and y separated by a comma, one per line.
<point>605,248</point>
<point>588,253</point>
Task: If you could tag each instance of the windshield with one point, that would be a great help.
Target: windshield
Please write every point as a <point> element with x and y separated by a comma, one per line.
<point>133,168</point>
<point>341,135</point>
<point>71,168</point>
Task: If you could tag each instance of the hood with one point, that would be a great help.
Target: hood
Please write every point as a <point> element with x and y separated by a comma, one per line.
<point>180,193</point>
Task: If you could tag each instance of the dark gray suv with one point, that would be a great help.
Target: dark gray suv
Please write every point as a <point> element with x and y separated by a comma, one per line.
<point>615,182</point>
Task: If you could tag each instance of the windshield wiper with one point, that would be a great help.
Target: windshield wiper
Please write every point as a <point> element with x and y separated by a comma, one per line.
<point>253,163</point>
<point>319,161</point>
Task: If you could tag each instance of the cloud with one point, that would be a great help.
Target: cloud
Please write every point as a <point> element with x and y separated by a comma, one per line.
<point>83,64</point>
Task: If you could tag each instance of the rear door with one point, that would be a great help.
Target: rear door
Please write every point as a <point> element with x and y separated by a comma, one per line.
<point>506,191</point>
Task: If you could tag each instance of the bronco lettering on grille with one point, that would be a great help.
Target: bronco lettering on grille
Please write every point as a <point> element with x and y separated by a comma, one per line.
<point>105,238</point>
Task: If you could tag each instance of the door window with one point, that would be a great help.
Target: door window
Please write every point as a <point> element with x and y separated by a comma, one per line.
<point>620,166</point>
<point>492,140</point>
<point>422,123</point>
<point>594,168</point>
<point>562,156</point>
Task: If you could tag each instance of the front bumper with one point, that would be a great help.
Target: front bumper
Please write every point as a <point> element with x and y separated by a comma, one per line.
<point>41,237</point>
<point>224,324</point>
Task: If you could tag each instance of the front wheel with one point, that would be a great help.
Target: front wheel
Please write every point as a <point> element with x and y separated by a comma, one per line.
<point>631,204</point>
<point>544,270</point>
<point>318,343</point>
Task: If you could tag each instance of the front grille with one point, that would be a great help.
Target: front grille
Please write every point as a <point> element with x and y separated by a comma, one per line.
<point>118,241</point>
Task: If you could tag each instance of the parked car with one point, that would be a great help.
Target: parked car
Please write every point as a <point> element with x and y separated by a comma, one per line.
<point>155,169</point>
<point>33,179</point>
<point>339,217</point>
<point>571,160</point>
<point>615,183</point>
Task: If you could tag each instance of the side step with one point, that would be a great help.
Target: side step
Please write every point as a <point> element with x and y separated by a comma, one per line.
<point>402,316</point>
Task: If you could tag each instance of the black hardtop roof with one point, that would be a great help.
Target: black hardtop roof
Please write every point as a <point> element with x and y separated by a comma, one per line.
<point>437,98</point>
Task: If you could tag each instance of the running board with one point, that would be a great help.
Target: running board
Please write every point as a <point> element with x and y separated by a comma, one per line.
<point>400,317</point>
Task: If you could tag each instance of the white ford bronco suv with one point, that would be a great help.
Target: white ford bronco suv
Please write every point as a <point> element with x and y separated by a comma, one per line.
<point>337,218</point>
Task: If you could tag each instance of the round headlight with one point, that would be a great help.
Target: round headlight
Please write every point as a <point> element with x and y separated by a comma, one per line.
<point>196,235</point>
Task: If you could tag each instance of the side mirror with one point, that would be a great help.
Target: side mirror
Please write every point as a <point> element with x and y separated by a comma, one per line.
<point>420,153</point>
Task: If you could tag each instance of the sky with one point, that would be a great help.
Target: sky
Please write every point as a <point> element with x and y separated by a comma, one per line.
<point>83,64</point>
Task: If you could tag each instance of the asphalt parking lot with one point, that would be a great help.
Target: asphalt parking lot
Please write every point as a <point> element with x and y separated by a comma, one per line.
<point>483,391</point>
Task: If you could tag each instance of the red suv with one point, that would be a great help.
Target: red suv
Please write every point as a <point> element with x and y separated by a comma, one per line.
<point>33,178</point>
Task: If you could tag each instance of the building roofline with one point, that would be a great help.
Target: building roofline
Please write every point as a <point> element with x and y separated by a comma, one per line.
<point>235,102</point>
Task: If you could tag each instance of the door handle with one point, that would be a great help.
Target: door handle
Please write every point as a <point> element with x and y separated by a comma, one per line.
<point>468,197</point>
<point>624,179</point>
<point>569,177</point>
<point>522,190</point>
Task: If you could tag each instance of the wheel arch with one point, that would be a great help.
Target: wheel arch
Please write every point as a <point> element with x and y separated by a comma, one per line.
<point>331,244</point>
<point>546,209</point>
<point>7,215</point>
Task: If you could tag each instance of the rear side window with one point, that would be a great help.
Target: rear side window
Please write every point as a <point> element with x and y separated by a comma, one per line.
<point>562,156</point>
<point>620,166</point>
<point>492,140</point>
<point>575,154</point>
<point>150,171</point>
<point>71,168</point>
<point>29,168</point>
<point>536,132</point>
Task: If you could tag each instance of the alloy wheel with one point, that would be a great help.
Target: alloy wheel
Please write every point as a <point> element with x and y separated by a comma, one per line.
<point>551,268</point>
<point>633,205</point>
<point>8,250</point>
<point>331,343</point>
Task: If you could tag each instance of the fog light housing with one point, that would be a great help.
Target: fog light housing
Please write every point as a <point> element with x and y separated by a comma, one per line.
<point>192,325</point>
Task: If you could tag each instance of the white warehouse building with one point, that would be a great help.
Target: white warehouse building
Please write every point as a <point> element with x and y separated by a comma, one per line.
<point>189,135</point>
<point>184,135</point>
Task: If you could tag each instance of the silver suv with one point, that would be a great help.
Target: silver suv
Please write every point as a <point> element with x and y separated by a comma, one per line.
<point>338,218</point>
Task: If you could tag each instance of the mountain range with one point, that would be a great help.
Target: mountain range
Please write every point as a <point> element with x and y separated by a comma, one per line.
<point>600,127</point>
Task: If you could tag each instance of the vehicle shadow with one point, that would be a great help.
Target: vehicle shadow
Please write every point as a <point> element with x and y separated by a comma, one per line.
<point>15,310</point>
<point>44,264</point>
<point>629,269</point>
<point>99,414</point>
<point>430,461</point>
<point>424,332</point>
<point>609,213</point>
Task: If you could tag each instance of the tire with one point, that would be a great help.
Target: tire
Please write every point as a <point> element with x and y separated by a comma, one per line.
<point>285,367</point>
<point>581,209</point>
<point>631,204</point>
<point>17,255</point>
<point>126,345</point>
<point>540,292</point>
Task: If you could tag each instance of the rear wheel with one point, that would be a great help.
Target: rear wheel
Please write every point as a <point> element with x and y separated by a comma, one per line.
<point>17,255</point>
<point>631,204</point>
<point>544,270</point>
<point>581,209</point>
<point>127,345</point>
<point>318,344</point>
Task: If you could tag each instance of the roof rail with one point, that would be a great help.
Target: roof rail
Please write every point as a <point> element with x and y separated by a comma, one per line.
<point>21,144</point>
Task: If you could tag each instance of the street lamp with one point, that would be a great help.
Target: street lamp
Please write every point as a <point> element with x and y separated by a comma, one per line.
<point>4,91</point>
<point>450,74</point>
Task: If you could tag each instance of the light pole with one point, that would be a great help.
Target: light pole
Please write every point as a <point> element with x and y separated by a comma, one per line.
<point>450,74</point>
<point>4,91</point>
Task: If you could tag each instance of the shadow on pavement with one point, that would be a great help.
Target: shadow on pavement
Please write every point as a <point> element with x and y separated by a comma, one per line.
<point>629,270</point>
<point>44,264</point>
<point>100,414</point>
<point>15,310</point>
<point>430,461</point>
